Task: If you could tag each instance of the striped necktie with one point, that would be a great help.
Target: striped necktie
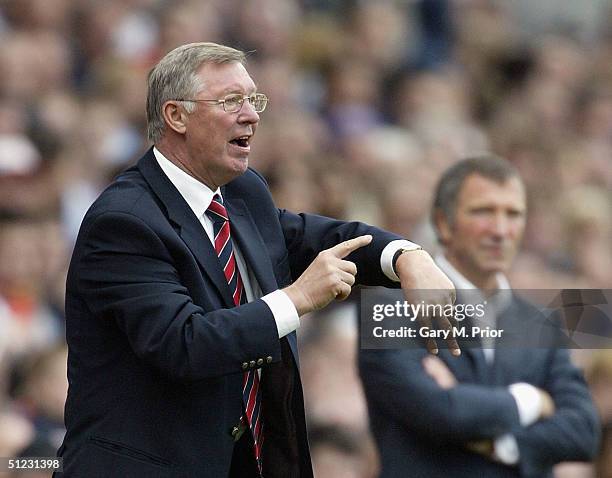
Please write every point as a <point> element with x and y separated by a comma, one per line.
<point>251,394</point>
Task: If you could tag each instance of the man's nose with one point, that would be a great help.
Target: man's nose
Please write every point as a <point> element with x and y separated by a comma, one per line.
<point>500,225</point>
<point>247,113</point>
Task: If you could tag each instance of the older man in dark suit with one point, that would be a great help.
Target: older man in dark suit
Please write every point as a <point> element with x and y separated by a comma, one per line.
<point>499,410</point>
<point>186,287</point>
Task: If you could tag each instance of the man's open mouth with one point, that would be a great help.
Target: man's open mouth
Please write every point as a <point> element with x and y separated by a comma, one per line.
<point>242,141</point>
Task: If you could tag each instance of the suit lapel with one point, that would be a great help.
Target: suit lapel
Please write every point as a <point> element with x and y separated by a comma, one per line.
<point>471,366</point>
<point>473,346</point>
<point>481,368</point>
<point>252,246</point>
<point>508,357</point>
<point>189,227</point>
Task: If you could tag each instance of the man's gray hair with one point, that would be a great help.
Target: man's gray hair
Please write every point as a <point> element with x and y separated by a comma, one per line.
<point>488,166</point>
<point>175,76</point>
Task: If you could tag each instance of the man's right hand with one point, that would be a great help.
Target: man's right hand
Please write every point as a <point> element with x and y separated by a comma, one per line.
<point>329,277</point>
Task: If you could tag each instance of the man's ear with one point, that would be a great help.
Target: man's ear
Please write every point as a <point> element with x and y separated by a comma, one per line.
<point>443,227</point>
<point>175,117</point>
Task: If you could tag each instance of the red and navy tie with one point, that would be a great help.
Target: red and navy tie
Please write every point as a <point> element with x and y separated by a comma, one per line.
<point>223,246</point>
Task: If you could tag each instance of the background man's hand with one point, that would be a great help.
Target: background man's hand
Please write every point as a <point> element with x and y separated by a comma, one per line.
<point>329,277</point>
<point>548,405</point>
<point>438,370</point>
<point>423,281</point>
<point>482,447</point>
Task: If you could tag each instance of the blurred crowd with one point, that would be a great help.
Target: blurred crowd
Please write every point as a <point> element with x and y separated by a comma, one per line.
<point>369,102</point>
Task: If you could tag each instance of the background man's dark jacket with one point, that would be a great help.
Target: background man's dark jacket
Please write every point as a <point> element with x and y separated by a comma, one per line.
<point>421,430</point>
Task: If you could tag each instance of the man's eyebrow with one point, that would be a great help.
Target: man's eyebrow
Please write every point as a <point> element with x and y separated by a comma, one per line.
<point>235,88</point>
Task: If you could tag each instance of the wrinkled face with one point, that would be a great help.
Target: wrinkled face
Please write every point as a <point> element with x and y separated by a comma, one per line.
<point>218,143</point>
<point>488,226</point>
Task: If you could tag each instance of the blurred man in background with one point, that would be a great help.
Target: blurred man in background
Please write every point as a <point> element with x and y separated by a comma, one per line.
<point>495,412</point>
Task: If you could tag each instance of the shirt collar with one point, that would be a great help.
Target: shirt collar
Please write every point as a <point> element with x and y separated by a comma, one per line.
<point>501,298</point>
<point>197,195</point>
<point>460,281</point>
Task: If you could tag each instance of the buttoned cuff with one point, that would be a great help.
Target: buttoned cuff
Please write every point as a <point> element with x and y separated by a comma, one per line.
<point>528,401</point>
<point>284,312</point>
<point>386,258</point>
<point>506,450</point>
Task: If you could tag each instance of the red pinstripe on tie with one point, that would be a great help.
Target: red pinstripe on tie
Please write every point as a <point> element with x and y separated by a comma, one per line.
<point>251,394</point>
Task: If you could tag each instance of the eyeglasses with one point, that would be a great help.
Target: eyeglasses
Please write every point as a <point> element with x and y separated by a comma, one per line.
<point>233,103</point>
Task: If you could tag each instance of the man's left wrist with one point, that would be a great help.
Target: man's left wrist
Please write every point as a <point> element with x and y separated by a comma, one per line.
<point>402,250</point>
<point>386,257</point>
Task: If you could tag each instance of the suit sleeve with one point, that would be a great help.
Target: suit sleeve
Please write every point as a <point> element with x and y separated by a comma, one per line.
<point>572,433</point>
<point>308,234</point>
<point>396,384</point>
<point>126,275</point>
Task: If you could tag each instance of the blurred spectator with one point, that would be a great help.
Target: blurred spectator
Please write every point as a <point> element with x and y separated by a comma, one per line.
<point>340,452</point>
<point>40,393</point>
<point>27,321</point>
<point>328,369</point>
<point>599,375</point>
<point>603,464</point>
<point>16,433</point>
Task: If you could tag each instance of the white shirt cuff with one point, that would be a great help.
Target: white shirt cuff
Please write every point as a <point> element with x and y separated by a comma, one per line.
<point>528,401</point>
<point>284,312</point>
<point>386,258</point>
<point>506,450</point>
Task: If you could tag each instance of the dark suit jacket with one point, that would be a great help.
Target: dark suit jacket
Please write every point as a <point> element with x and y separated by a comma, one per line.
<point>156,346</point>
<point>421,430</point>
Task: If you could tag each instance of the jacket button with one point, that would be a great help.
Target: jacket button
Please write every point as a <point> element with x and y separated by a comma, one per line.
<point>268,359</point>
<point>245,365</point>
<point>260,361</point>
<point>252,363</point>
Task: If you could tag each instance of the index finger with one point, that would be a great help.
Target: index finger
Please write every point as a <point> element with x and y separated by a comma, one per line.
<point>345,248</point>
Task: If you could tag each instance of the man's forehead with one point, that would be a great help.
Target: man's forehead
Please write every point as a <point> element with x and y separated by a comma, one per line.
<point>477,186</point>
<point>226,77</point>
